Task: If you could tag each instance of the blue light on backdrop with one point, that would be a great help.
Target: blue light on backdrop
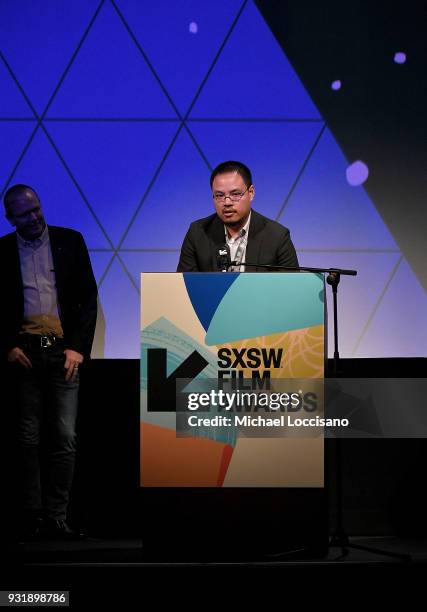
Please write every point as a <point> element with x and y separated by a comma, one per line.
<point>116,112</point>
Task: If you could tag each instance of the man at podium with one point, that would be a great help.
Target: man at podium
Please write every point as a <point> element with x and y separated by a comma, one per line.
<point>249,236</point>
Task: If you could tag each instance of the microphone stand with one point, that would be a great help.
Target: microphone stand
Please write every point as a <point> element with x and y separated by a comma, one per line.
<point>339,537</point>
<point>293,268</point>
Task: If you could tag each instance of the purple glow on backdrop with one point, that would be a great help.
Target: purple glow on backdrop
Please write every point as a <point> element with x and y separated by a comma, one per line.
<point>114,81</point>
<point>400,57</point>
<point>357,173</point>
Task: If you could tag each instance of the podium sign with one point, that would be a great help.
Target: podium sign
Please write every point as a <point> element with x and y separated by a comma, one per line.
<point>233,327</point>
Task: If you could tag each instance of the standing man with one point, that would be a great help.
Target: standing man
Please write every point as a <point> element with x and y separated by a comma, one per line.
<point>250,237</point>
<point>48,312</point>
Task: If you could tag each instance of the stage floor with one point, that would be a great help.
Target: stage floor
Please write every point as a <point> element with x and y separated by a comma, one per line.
<point>97,552</point>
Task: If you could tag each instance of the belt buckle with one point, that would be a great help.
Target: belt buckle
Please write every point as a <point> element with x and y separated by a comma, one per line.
<point>46,341</point>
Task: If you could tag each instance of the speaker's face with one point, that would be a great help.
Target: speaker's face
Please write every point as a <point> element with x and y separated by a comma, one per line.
<point>232,199</point>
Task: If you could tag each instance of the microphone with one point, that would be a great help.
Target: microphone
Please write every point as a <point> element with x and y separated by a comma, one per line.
<point>223,259</point>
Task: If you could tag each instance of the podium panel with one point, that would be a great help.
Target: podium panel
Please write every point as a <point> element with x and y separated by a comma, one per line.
<point>233,327</point>
<point>240,329</point>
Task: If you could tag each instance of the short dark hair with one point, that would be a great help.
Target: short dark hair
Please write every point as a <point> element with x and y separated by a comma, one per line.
<point>233,166</point>
<point>14,191</point>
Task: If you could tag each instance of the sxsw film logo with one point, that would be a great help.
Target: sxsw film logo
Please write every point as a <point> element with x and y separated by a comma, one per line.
<point>162,390</point>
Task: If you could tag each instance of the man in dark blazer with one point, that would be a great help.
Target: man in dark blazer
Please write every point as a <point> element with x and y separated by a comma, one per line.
<point>48,316</point>
<point>250,237</point>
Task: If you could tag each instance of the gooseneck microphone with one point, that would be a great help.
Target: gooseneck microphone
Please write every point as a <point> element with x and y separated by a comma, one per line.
<point>223,258</point>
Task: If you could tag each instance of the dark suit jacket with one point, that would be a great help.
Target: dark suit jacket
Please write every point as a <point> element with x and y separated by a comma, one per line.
<point>75,284</point>
<point>268,243</point>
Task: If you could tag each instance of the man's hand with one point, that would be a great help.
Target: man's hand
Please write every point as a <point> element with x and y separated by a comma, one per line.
<point>17,355</point>
<point>72,361</point>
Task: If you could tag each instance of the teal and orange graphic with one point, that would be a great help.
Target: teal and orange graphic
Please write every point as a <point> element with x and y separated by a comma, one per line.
<point>189,318</point>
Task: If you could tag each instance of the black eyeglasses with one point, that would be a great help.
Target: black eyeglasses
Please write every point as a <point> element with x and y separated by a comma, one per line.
<point>234,196</point>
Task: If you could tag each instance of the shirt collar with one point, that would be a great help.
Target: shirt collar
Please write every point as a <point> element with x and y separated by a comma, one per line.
<point>34,244</point>
<point>243,231</point>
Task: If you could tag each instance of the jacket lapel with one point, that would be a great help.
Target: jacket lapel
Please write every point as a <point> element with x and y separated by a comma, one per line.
<point>253,250</point>
<point>217,239</point>
<point>57,252</point>
<point>15,266</point>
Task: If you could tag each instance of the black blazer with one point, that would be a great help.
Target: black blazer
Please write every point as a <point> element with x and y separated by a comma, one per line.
<point>75,284</point>
<point>268,243</point>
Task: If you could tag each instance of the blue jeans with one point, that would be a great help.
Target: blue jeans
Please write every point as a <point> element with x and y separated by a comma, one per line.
<point>47,406</point>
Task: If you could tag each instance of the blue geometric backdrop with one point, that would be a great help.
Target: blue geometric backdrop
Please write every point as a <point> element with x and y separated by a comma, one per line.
<point>117,110</point>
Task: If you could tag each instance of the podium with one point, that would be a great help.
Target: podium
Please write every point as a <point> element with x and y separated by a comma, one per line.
<point>207,486</point>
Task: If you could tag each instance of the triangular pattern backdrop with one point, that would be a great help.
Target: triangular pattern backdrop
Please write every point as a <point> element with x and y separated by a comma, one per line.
<point>117,110</point>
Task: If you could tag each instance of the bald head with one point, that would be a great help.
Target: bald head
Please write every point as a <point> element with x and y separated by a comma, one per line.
<point>23,211</point>
<point>15,192</point>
